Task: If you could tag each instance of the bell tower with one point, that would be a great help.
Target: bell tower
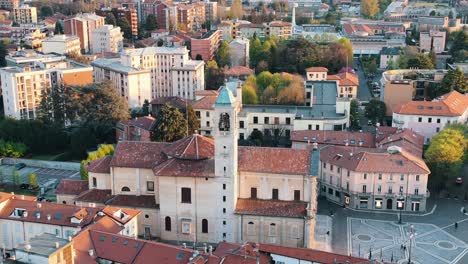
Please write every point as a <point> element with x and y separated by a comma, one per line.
<point>226,134</point>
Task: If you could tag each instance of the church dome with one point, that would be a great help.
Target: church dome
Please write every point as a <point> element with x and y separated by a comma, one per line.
<point>195,147</point>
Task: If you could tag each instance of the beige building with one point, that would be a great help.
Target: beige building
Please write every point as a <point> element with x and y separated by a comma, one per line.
<point>209,190</point>
<point>347,82</point>
<point>25,14</point>
<point>82,26</point>
<point>279,29</point>
<point>62,44</point>
<point>106,38</point>
<point>364,179</point>
<point>239,52</point>
<point>432,41</point>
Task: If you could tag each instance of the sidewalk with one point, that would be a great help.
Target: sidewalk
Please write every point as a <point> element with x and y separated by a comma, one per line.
<point>323,225</point>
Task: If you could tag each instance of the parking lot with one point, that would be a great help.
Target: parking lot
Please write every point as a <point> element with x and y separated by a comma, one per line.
<point>44,175</point>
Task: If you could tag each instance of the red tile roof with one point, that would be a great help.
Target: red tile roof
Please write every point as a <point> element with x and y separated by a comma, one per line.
<point>239,71</point>
<point>144,122</point>
<point>274,160</point>
<point>365,161</point>
<point>234,253</point>
<point>345,79</point>
<point>101,165</point>
<point>205,103</point>
<point>195,147</point>
<point>114,213</point>
<point>71,187</point>
<point>206,93</point>
<point>275,208</point>
<point>341,138</point>
<point>315,256</point>
<point>451,104</point>
<point>175,101</point>
<point>94,196</point>
<point>186,168</point>
<point>134,201</point>
<point>136,154</point>
<point>316,69</point>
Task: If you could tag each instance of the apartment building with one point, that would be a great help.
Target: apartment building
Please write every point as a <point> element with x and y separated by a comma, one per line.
<point>432,41</point>
<point>211,10</point>
<point>62,44</point>
<point>251,30</point>
<point>129,14</point>
<point>239,52</point>
<point>365,179</point>
<point>132,83</point>
<point>25,14</point>
<point>234,28</point>
<point>24,85</point>
<point>137,129</point>
<point>9,4</point>
<point>387,55</point>
<point>279,29</point>
<point>402,86</point>
<point>164,11</point>
<point>347,82</point>
<point>206,45</point>
<point>82,26</point>
<point>430,117</point>
<point>107,38</point>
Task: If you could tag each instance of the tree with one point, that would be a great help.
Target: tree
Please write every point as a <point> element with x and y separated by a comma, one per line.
<point>421,61</point>
<point>102,151</point>
<point>433,13</point>
<point>199,57</point>
<point>125,27</point>
<point>249,96</point>
<point>391,65</point>
<point>170,125</point>
<point>12,149</point>
<point>375,111</point>
<point>256,137</point>
<point>354,116</point>
<point>236,9</point>
<point>58,28</point>
<point>348,46</point>
<point>15,177</point>
<point>223,57</point>
<point>459,48</point>
<point>53,108</point>
<point>46,11</point>
<point>151,23</point>
<point>110,19</point>
<point>2,177</point>
<point>372,66</point>
<point>145,108</point>
<point>3,54</point>
<point>453,80</point>
<point>193,123</point>
<point>32,180</point>
<point>370,8</point>
<point>214,76</point>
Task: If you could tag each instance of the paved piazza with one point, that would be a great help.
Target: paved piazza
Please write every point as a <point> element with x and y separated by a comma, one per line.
<point>384,238</point>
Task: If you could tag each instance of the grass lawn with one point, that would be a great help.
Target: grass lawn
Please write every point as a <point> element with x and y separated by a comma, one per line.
<point>17,190</point>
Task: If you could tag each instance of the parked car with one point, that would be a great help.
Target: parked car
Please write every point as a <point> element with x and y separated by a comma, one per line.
<point>19,166</point>
<point>24,186</point>
<point>459,180</point>
<point>369,122</point>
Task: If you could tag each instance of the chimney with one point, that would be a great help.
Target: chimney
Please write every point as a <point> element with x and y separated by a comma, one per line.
<point>38,215</point>
<point>91,252</point>
<point>22,197</point>
<point>25,214</point>
<point>184,245</point>
<point>210,250</point>
<point>39,205</point>
<point>57,245</point>
<point>48,217</point>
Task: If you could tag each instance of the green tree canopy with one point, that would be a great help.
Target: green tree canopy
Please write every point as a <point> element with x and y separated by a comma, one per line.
<point>125,28</point>
<point>370,8</point>
<point>354,115</point>
<point>58,28</point>
<point>32,180</point>
<point>421,61</point>
<point>170,125</point>
<point>192,120</point>
<point>214,76</point>
<point>102,151</point>
<point>3,54</point>
<point>249,95</point>
<point>46,11</point>
<point>110,19</point>
<point>375,110</point>
<point>223,57</point>
<point>12,149</point>
<point>459,48</point>
<point>151,22</point>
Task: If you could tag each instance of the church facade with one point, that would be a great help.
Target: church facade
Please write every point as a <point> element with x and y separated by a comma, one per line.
<point>207,190</point>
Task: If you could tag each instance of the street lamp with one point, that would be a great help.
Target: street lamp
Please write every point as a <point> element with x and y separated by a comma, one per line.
<point>400,205</point>
<point>412,234</point>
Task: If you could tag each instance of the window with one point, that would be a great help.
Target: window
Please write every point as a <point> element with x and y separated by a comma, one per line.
<point>150,186</point>
<point>324,165</point>
<point>197,113</point>
<point>317,127</point>
<point>224,210</point>
<point>251,228</point>
<point>337,193</point>
<point>330,191</point>
<point>287,133</point>
<point>125,189</point>
<point>224,198</point>
<point>420,119</point>
<point>253,193</point>
<point>272,230</point>
<point>207,123</point>
<point>401,189</point>
<point>297,195</point>
<point>224,186</point>
<point>204,226</point>
<point>380,176</point>
<point>94,182</point>
<point>364,188</point>
<point>274,194</point>
<point>310,127</point>
<point>331,167</point>
<point>390,189</point>
<point>417,177</point>
<point>379,188</point>
<point>186,195</point>
<point>266,120</point>
<point>241,124</point>
<point>347,186</point>
<point>437,129</point>
<point>365,176</point>
<point>391,177</point>
<point>338,169</point>
<point>438,120</point>
<point>241,136</point>
<point>331,179</point>
<point>347,173</point>
<point>429,119</point>
<point>255,119</point>
<point>167,223</point>
<point>402,177</point>
<point>207,114</point>
<point>288,120</point>
<point>416,191</point>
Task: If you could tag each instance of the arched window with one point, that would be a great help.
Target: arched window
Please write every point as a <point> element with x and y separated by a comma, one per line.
<point>167,222</point>
<point>204,226</point>
<point>125,189</point>
<point>251,228</point>
<point>272,229</point>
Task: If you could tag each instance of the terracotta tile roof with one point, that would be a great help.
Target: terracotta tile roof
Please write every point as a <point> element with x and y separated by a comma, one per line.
<point>206,93</point>
<point>366,161</point>
<point>205,103</point>
<point>174,101</point>
<point>279,24</point>
<point>71,187</point>
<point>251,25</point>
<point>239,71</point>
<point>274,160</point>
<point>345,79</point>
<point>406,135</point>
<point>234,253</point>
<point>101,165</point>
<point>121,215</point>
<point>186,168</point>
<point>5,196</point>
<point>314,256</point>
<point>137,154</point>
<point>316,69</point>
<point>60,214</point>
<point>94,196</point>
<point>277,208</point>
<point>382,132</point>
<point>134,201</point>
<point>340,138</point>
<point>451,104</point>
<point>195,147</point>
<point>144,122</point>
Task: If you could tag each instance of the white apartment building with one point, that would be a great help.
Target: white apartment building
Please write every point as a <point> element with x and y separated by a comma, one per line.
<point>173,73</point>
<point>62,44</point>
<point>372,179</point>
<point>133,84</point>
<point>429,118</point>
<point>25,14</point>
<point>107,38</point>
